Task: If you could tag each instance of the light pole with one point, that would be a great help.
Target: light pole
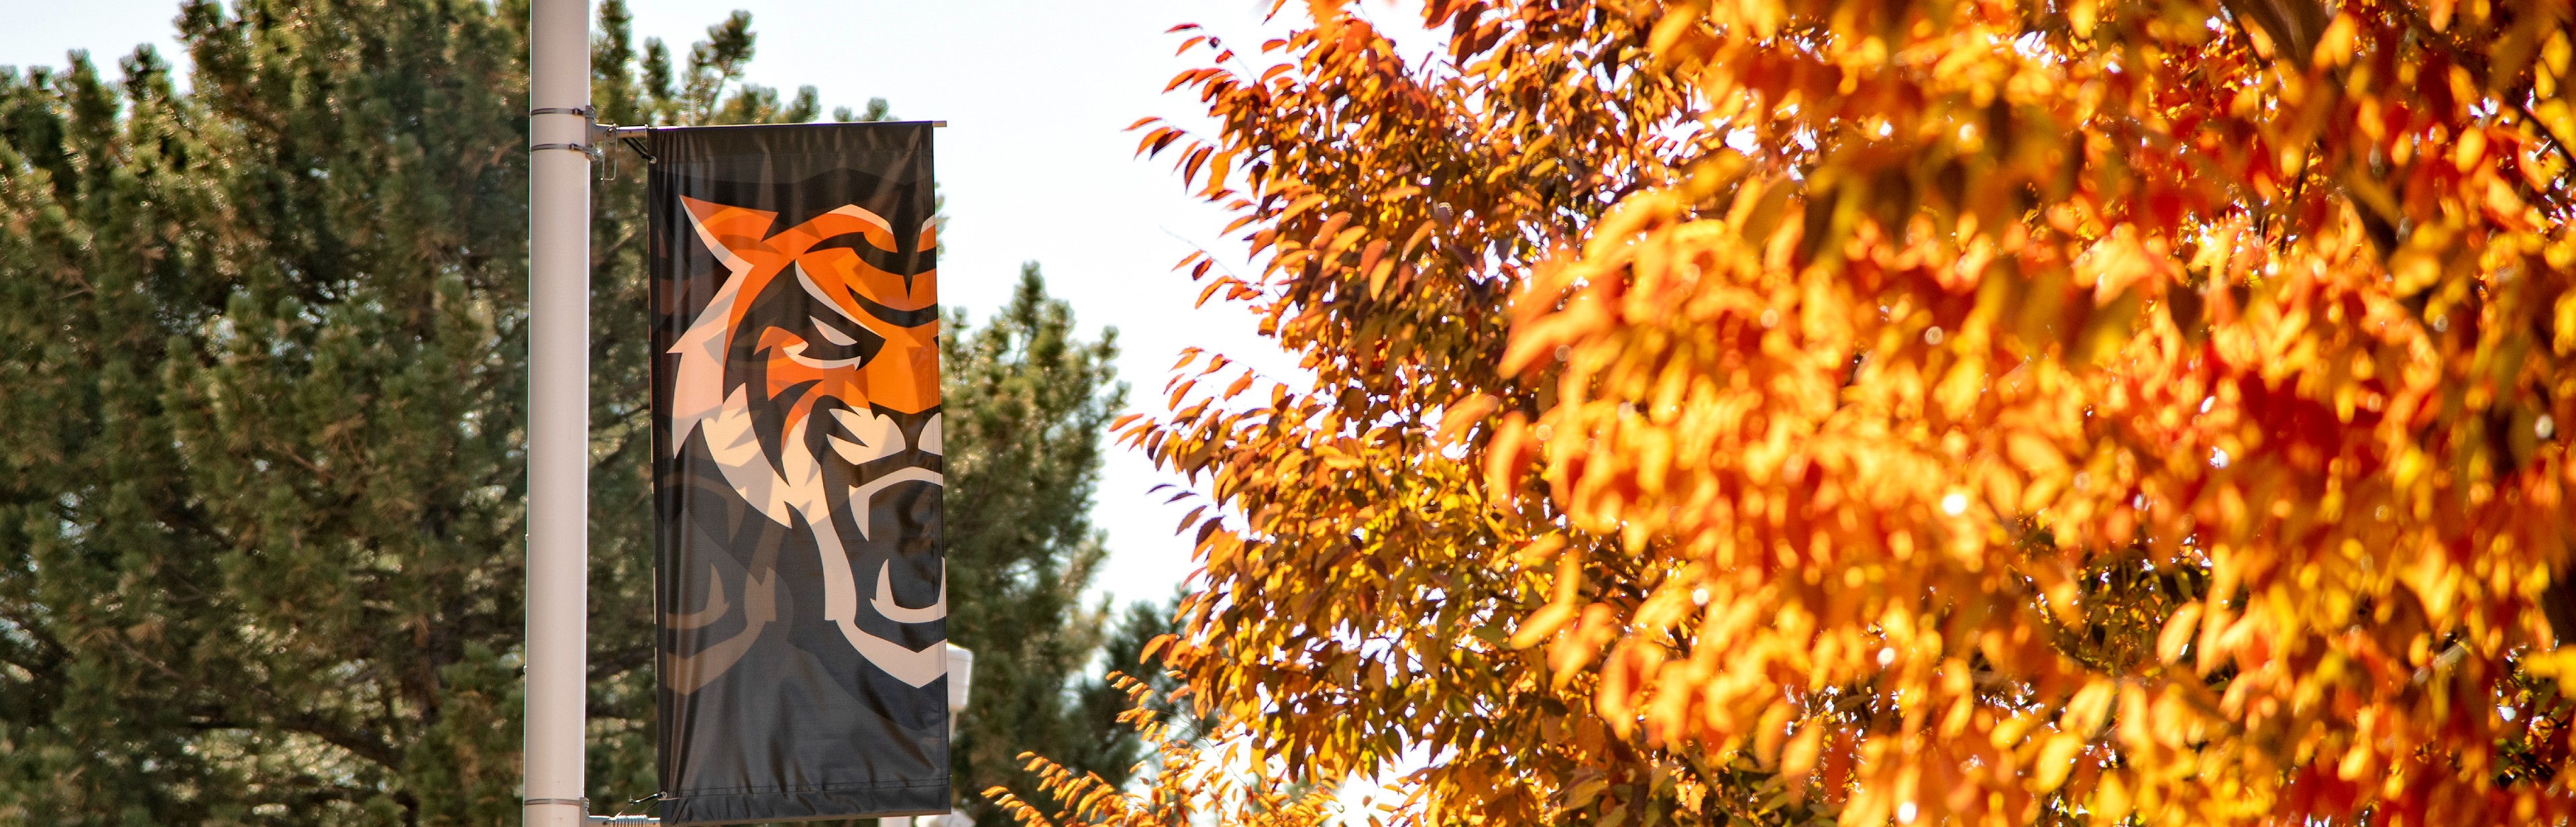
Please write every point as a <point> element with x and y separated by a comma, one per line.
<point>559,147</point>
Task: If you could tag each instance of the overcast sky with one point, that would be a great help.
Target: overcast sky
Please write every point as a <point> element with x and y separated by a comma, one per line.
<point>1034,164</point>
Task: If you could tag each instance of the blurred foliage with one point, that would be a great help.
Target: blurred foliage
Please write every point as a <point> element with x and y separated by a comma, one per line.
<point>1977,411</point>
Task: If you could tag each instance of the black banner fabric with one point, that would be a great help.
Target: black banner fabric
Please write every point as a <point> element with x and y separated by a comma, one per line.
<point>801,576</point>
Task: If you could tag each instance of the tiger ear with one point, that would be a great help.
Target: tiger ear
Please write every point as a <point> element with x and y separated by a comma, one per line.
<point>732,233</point>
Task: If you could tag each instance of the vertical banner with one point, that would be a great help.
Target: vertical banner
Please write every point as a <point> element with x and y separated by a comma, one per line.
<point>801,581</point>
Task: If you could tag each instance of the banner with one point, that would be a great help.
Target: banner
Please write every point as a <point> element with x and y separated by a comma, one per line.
<point>800,581</point>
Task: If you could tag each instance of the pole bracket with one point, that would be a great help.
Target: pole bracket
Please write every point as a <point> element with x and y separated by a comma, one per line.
<point>590,130</point>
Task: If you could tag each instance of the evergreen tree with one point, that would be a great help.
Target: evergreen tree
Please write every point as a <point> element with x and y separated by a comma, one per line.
<point>263,348</point>
<point>1109,747</point>
<point>1028,407</point>
<point>260,518</point>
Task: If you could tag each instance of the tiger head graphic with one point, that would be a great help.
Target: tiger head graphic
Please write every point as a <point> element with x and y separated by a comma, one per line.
<point>812,376</point>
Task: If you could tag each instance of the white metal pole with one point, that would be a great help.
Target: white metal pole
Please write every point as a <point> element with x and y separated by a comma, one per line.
<point>558,409</point>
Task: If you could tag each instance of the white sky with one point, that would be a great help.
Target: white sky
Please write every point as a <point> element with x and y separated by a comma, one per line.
<point>1034,165</point>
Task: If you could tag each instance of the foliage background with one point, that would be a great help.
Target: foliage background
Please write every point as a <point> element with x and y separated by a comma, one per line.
<point>1803,411</point>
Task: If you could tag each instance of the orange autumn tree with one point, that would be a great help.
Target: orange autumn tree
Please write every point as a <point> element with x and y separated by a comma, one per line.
<point>1983,412</point>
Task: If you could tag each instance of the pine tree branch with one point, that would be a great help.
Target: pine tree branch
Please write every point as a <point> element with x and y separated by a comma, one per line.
<point>358,742</point>
<point>50,649</point>
<point>600,258</point>
<point>619,663</point>
<point>299,459</point>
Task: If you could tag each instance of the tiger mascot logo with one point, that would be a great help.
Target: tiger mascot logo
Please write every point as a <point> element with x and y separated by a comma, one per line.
<point>812,376</point>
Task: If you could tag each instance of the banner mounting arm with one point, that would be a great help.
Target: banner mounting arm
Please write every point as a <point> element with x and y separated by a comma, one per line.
<point>604,132</point>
